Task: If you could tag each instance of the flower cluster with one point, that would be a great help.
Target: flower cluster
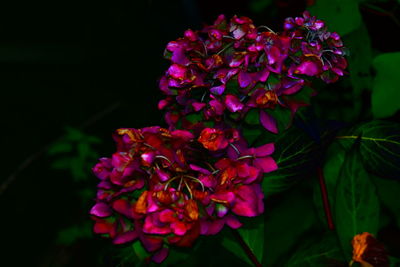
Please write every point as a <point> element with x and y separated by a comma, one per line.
<point>231,67</point>
<point>168,187</point>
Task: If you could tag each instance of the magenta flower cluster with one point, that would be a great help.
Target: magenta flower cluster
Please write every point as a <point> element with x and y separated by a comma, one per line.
<point>232,67</point>
<point>168,187</point>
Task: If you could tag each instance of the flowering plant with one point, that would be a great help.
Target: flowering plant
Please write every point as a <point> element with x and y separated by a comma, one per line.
<point>231,93</point>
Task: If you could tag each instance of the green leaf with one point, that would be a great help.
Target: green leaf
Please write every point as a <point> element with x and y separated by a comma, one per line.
<point>140,251</point>
<point>252,117</point>
<point>233,246</point>
<point>295,153</point>
<point>342,16</point>
<point>285,225</point>
<point>59,148</point>
<point>385,91</point>
<point>379,147</point>
<point>388,192</point>
<point>360,61</point>
<point>253,235</point>
<point>315,253</point>
<point>251,134</point>
<point>357,204</point>
<point>258,6</point>
<point>70,235</point>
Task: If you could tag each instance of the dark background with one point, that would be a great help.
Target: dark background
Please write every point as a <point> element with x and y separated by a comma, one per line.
<point>93,66</point>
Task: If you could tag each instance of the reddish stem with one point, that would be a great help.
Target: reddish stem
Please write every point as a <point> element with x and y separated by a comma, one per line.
<point>325,199</point>
<point>246,248</point>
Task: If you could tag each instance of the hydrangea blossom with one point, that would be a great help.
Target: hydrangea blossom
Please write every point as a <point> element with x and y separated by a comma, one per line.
<point>168,187</point>
<point>232,67</point>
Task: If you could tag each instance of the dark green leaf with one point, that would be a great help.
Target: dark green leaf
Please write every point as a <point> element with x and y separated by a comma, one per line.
<point>70,235</point>
<point>357,204</point>
<point>385,100</point>
<point>258,6</point>
<point>341,16</point>
<point>285,225</point>
<point>140,251</point>
<point>316,253</point>
<point>59,148</point>
<point>253,235</point>
<point>360,61</point>
<point>234,247</point>
<point>388,192</point>
<point>252,117</point>
<point>379,147</point>
<point>296,154</point>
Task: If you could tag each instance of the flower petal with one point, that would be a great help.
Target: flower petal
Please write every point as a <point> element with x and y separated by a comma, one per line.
<point>268,122</point>
<point>101,210</point>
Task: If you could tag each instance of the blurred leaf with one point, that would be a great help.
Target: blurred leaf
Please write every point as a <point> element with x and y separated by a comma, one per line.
<point>285,225</point>
<point>296,154</point>
<point>380,147</point>
<point>360,60</point>
<point>61,164</point>
<point>258,6</point>
<point>341,16</point>
<point>252,117</point>
<point>333,162</point>
<point>70,235</point>
<point>140,251</point>
<point>232,246</point>
<point>394,262</point>
<point>389,192</point>
<point>59,148</point>
<point>316,253</point>
<point>385,93</point>
<point>357,205</point>
<point>73,134</point>
<point>251,135</point>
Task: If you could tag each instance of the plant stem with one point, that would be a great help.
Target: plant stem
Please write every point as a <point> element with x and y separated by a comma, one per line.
<point>246,248</point>
<point>325,199</point>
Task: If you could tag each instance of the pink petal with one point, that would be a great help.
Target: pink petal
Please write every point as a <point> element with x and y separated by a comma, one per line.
<point>198,106</point>
<point>249,201</point>
<point>233,103</point>
<point>122,206</point>
<point>151,243</point>
<point>101,210</point>
<point>309,68</point>
<point>233,222</point>
<point>162,175</point>
<point>265,150</point>
<point>268,122</point>
<point>179,57</point>
<point>199,169</point>
<point>125,237</point>
<point>211,227</point>
<point>267,164</point>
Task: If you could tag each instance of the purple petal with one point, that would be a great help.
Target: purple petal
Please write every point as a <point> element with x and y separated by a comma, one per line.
<point>148,157</point>
<point>151,243</point>
<point>179,57</point>
<point>211,227</point>
<point>162,175</point>
<point>244,79</point>
<point>125,237</point>
<point>160,255</point>
<point>233,103</point>
<point>182,134</point>
<point>101,210</point>
<point>199,169</point>
<point>218,90</point>
<point>309,68</point>
<point>267,164</point>
<point>177,71</point>
<point>233,222</point>
<point>268,122</point>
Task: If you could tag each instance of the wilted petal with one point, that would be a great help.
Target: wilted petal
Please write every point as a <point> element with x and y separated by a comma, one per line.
<point>268,122</point>
<point>101,210</point>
